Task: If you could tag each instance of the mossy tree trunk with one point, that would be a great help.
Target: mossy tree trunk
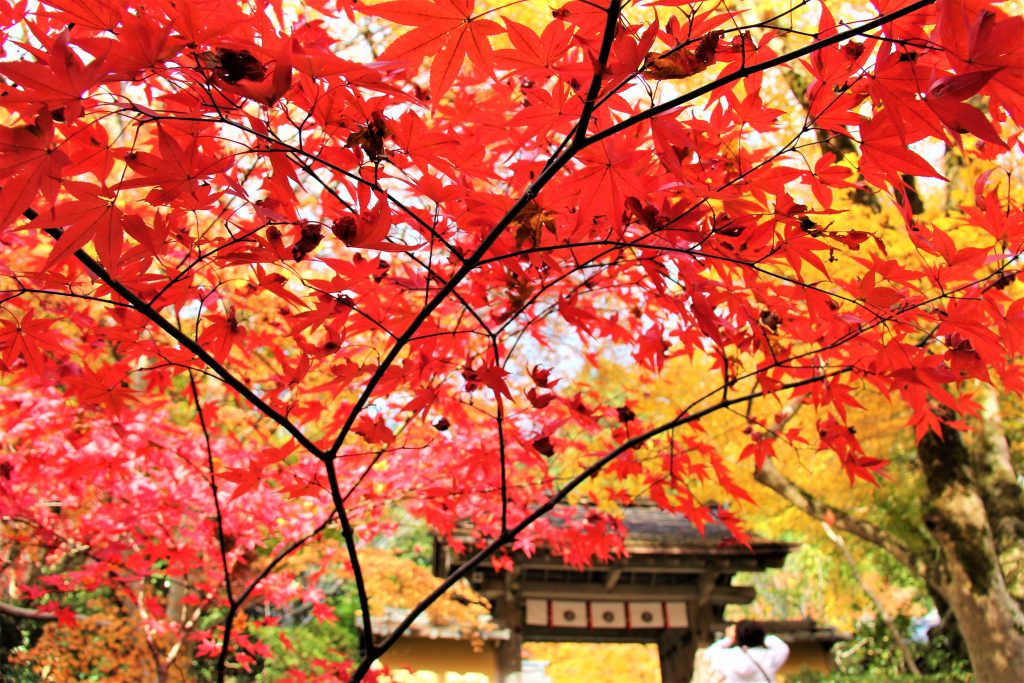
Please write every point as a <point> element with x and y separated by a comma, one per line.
<point>1001,491</point>
<point>970,576</point>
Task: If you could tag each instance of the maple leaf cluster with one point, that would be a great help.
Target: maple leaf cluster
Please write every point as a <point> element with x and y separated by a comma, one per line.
<point>367,266</point>
<point>100,502</point>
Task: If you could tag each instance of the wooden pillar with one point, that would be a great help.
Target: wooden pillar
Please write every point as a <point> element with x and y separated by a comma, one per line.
<point>676,650</point>
<point>702,614</point>
<point>510,658</point>
<point>508,614</point>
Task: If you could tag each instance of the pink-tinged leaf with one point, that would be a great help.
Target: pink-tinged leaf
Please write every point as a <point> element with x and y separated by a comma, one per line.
<point>208,647</point>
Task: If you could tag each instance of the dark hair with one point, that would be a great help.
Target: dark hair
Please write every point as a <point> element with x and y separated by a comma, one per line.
<point>749,634</point>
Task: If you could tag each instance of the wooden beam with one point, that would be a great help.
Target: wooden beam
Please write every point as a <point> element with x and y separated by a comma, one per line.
<point>647,565</point>
<point>543,634</point>
<point>612,578</point>
<point>719,595</point>
<point>693,565</point>
<point>729,559</point>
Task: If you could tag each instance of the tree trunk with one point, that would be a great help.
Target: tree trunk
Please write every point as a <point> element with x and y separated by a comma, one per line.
<point>971,579</point>
<point>1003,496</point>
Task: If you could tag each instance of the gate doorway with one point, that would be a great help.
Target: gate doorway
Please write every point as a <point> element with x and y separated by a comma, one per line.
<point>590,662</point>
<point>670,590</point>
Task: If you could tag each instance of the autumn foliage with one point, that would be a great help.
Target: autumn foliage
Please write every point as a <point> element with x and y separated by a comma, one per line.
<point>278,271</point>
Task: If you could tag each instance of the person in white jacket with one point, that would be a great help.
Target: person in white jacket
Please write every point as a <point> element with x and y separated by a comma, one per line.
<point>746,655</point>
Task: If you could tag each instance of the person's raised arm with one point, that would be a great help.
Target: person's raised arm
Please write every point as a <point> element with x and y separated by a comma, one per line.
<point>778,650</point>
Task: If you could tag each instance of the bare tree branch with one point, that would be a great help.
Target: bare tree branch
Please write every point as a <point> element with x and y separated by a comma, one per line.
<point>894,631</point>
<point>814,507</point>
<point>25,612</point>
<point>590,102</point>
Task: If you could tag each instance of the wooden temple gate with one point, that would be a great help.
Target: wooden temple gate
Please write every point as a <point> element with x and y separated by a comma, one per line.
<point>671,589</point>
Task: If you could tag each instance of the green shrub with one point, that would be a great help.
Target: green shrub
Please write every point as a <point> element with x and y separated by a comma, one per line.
<point>873,656</point>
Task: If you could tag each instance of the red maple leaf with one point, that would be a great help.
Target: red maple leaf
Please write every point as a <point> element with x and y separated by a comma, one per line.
<point>27,338</point>
<point>886,155</point>
<point>93,217</point>
<point>57,81</point>
<point>28,164</point>
<point>446,29</point>
<point>175,170</point>
<point>369,230</point>
<point>374,430</point>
